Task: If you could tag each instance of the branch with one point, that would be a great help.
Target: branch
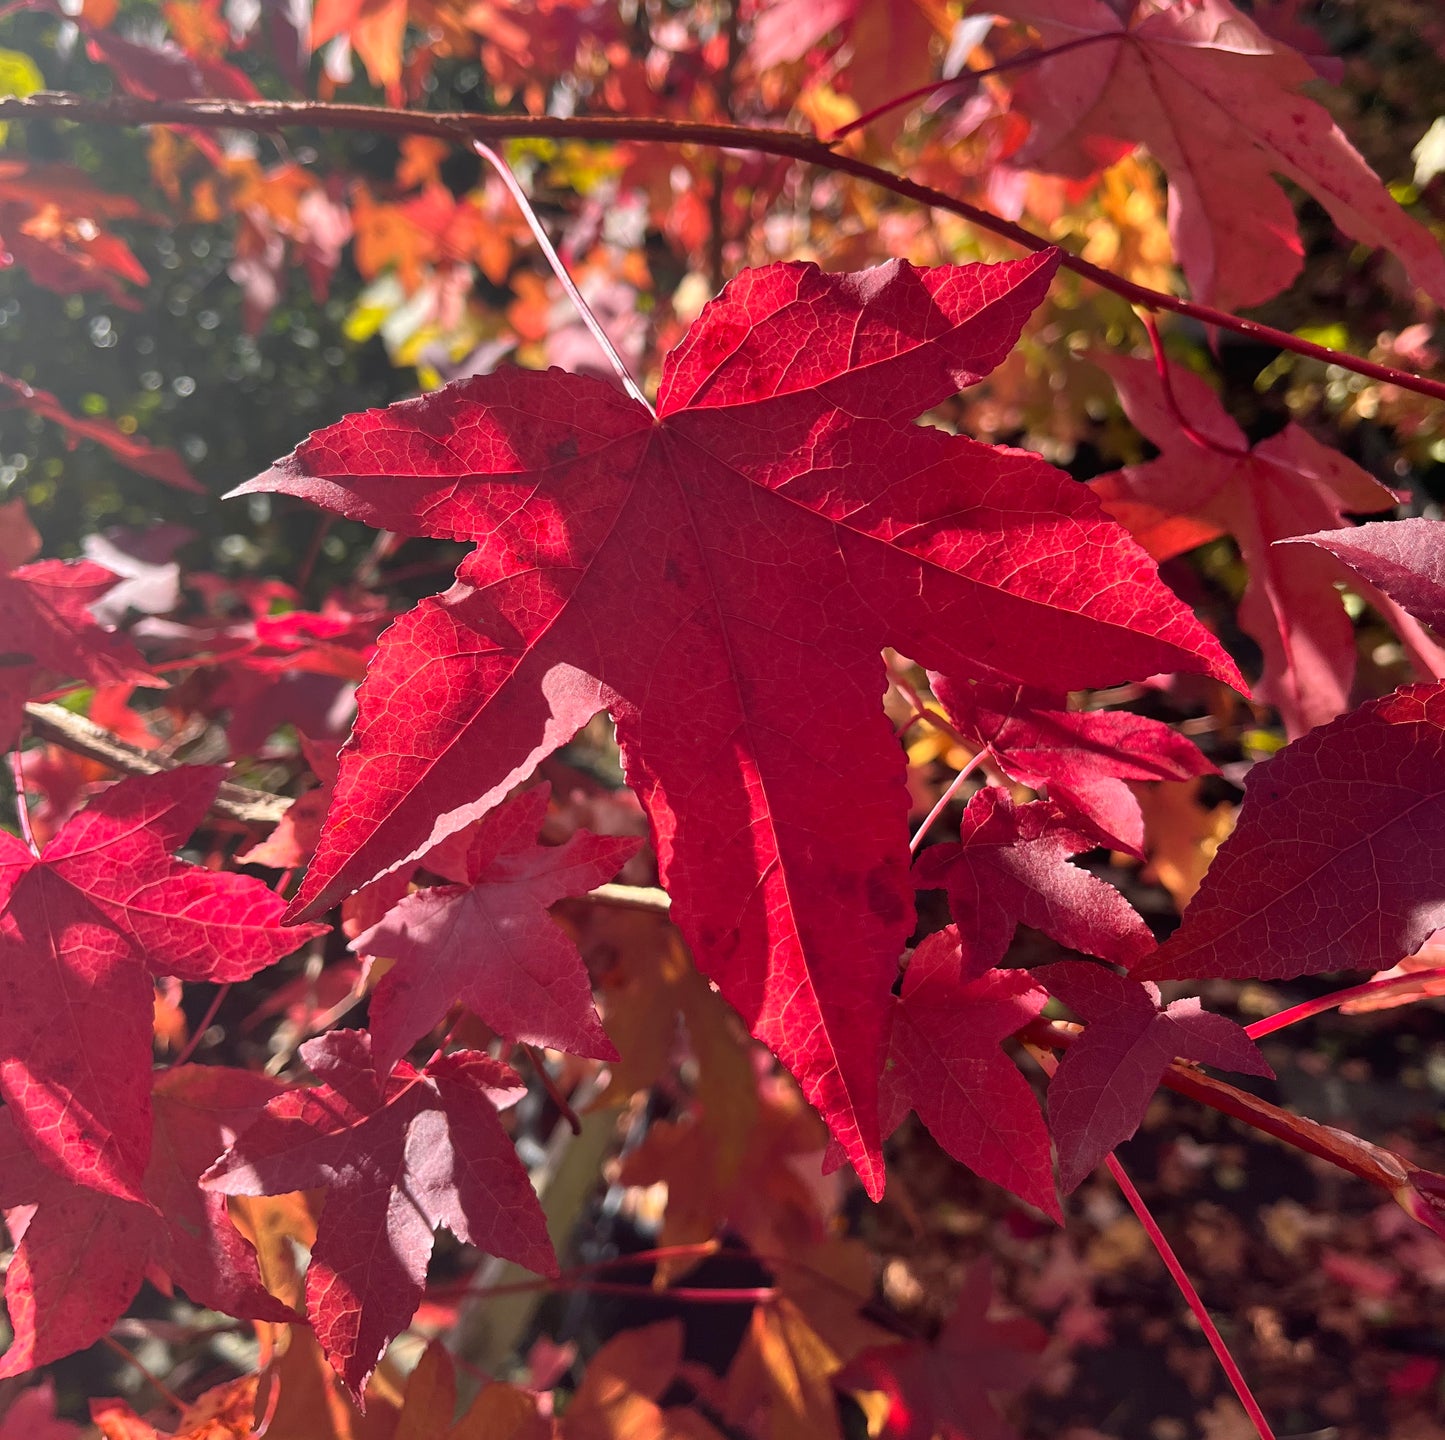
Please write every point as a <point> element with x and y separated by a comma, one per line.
<point>84,737</point>
<point>463,127</point>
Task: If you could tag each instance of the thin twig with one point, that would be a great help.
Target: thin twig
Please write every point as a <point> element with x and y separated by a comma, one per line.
<point>1308,1009</point>
<point>22,810</point>
<point>953,788</point>
<point>554,1093</point>
<point>156,1384</point>
<point>465,127</point>
<point>1181,1278</point>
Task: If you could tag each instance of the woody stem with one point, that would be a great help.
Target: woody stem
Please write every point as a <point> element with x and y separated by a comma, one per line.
<point>467,128</point>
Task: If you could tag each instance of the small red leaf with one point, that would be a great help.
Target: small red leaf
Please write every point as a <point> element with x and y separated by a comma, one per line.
<point>946,1063</point>
<point>84,927</point>
<point>488,941</point>
<point>81,1255</point>
<point>1012,868</point>
<point>1109,1074</point>
<point>397,1159</point>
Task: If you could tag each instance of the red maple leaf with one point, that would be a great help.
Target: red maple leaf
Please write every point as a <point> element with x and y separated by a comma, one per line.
<point>1012,868</point>
<point>943,1390</point>
<point>50,636</point>
<point>1109,1074</point>
<point>85,926</point>
<point>1403,558</point>
<point>160,464</point>
<point>48,225</point>
<point>1082,759</point>
<point>397,1158</point>
<point>1338,858</point>
<point>722,577</point>
<point>945,1062</point>
<point>1207,482</point>
<point>81,1255</point>
<point>1217,103</point>
<point>487,940</point>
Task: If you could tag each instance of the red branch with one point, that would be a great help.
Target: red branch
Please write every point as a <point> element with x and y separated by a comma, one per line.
<point>463,127</point>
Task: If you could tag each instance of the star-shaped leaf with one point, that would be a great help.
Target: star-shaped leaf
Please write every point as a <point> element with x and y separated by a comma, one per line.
<point>84,928</point>
<point>1207,481</point>
<point>81,1255</point>
<point>487,940</point>
<point>946,1062</point>
<point>397,1158</point>
<point>1081,758</point>
<point>1010,868</point>
<point>1218,104</point>
<point>1108,1076</point>
<point>721,578</point>
<point>943,1390</point>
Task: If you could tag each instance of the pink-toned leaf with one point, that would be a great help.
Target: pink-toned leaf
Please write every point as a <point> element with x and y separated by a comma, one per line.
<point>1109,1074</point>
<point>1012,868</point>
<point>1287,485</point>
<point>397,1158</point>
<point>81,1255</point>
<point>84,927</point>
<point>721,579</point>
<point>1217,102</point>
<point>488,942</point>
<point>946,1063</point>
<point>1404,558</point>
<point>1337,861</point>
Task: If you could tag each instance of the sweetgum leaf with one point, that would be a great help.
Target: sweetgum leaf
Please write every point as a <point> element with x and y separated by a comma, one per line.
<point>1337,861</point>
<point>84,928</point>
<point>721,578</point>
<point>1082,758</point>
<point>488,941</point>
<point>1209,483</point>
<point>946,1063</point>
<point>943,1390</point>
<point>1404,558</point>
<point>397,1158</point>
<point>1217,103</point>
<point>81,1255</point>
<point>1109,1074</point>
<point>1011,867</point>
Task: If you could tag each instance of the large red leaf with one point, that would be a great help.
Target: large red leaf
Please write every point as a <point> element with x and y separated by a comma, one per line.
<point>487,940</point>
<point>1011,868</point>
<point>1289,484</point>
<point>946,1063</point>
<point>397,1158</point>
<point>1337,861</point>
<point>81,1256</point>
<point>1083,759</point>
<point>721,578</point>
<point>84,927</point>
<point>1108,1076</point>
<point>1217,103</point>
